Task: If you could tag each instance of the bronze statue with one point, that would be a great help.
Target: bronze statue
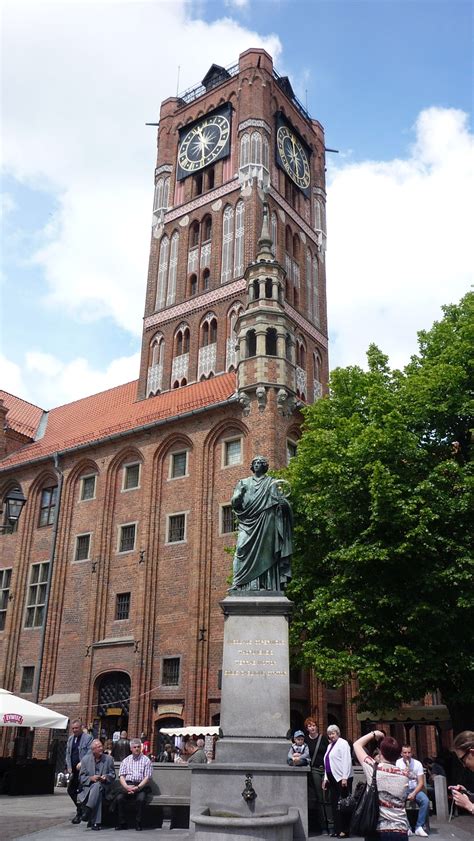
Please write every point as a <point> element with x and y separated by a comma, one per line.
<point>264,537</point>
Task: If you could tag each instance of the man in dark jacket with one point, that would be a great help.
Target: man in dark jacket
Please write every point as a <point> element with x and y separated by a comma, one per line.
<point>121,748</point>
<point>77,746</point>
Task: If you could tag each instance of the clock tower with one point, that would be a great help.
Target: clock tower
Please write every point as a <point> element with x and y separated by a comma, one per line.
<point>236,277</point>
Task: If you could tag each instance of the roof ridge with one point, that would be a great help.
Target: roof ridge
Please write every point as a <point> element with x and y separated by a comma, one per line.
<point>95,394</point>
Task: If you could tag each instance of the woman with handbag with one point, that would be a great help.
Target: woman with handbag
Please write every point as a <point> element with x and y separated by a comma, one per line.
<point>338,774</point>
<point>390,821</point>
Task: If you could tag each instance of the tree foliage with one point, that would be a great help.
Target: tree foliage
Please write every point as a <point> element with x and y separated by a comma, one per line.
<point>383,569</point>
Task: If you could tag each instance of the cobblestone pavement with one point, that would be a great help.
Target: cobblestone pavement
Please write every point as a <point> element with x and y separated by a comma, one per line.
<point>48,818</point>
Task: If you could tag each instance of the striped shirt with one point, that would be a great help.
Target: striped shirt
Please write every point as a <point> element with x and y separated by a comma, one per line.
<point>135,769</point>
<point>392,784</point>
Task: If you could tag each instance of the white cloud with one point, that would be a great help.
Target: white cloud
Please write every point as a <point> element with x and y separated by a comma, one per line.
<point>49,381</point>
<point>76,99</point>
<point>12,377</point>
<point>400,235</point>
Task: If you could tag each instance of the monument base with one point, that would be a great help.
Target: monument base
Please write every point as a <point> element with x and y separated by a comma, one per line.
<point>255,732</point>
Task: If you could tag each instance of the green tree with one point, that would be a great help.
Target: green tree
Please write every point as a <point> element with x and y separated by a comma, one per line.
<point>383,570</point>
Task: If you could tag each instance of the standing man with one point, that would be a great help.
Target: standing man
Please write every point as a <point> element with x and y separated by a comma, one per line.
<point>135,774</point>
<point>195,755</point>
<point>416,785</point>
<point>77,746</point>
<point>97,772</point>
<point>121,748</point>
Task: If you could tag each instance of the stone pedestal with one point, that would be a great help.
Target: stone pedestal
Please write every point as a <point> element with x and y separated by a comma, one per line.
<point>255,725</point>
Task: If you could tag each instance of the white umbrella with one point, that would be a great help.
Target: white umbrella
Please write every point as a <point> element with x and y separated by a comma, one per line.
<point>17,712</point>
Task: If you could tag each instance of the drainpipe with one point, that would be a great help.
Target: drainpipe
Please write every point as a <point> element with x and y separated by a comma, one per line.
<point>54,539</point>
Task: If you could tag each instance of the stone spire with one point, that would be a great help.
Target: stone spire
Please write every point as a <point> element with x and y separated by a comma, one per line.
<point>265,242</point>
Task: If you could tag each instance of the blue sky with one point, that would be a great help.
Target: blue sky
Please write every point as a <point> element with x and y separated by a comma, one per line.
<point>390,81</point>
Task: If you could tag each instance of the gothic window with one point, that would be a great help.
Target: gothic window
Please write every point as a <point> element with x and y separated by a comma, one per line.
<point>256,148</point>
<point>288,347</point>
<point>206,277</point>
<point>317,366</point>
<point>162,273</point>
<point>198,184</point>
<point>173,267</point>
<point>265,152</point>
<point>156,350</point>
<point>194,235</point>
<point>315,290</point>
<point>317,215</point>
<point>193,285</point>
<point>256,290</point>
<point>182,340</point>
<point>268,288</point>
<point>227,243</point>
<point>36,597</point>
<point>239,240</point>
<point>309,295</point>
<point>300,353</point>
<point>296,247</point>
<point>274,232</point>
<point>244,150</point>
<point>49,498</point>
<point>161,197</point>
<point>231,352</point>
<point>209,330</point>
<point>271,342</point>
<point>155,364</point>
<point>210,177</point>
<point>206,229</point>
<point>288,241</point>
<point>251,343</point>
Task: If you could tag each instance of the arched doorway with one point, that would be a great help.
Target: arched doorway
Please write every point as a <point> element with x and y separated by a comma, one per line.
<point>113,700</point>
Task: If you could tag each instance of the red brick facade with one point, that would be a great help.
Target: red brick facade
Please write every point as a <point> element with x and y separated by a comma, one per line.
<point>247,396</point>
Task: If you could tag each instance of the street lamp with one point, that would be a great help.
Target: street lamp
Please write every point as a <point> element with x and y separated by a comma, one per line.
<point>14,502</point>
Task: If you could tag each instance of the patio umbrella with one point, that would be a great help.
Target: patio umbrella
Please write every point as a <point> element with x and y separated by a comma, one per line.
<point>17,712</point>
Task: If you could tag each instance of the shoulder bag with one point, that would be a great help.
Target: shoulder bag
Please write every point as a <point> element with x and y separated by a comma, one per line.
<point>366,814</point>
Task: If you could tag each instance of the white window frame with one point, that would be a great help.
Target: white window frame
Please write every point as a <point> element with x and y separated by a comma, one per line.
<point>75,559</point>
<point>81,487</point>
<point>124,473</point>
<point>119,534</point>
<point>184,451</point>
<point>225,444</point>
<point>169,542</point>
<point>36,604</point>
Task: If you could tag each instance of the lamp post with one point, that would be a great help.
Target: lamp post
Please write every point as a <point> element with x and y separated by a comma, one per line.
<point>14,502</point>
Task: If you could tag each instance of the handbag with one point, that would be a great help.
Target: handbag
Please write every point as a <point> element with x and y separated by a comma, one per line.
<point>366,814</point>
<point>346,805</point>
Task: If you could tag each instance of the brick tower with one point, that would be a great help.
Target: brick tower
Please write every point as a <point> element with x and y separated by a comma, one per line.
<point>238,144</point>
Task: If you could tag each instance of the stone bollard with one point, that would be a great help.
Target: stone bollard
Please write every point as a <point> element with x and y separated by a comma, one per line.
<point>441,797</point>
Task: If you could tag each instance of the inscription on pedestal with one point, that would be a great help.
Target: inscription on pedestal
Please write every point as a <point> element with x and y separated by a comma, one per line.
<point>251,653</point>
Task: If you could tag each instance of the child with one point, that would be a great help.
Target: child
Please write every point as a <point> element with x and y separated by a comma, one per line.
<point>299,751</point>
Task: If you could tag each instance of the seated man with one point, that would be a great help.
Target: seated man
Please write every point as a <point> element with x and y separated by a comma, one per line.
<point>97,772</point>
<point>416,785</point>
<point>135,774</point>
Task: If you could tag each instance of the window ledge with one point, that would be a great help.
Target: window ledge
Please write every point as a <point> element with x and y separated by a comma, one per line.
<point>109,642</point>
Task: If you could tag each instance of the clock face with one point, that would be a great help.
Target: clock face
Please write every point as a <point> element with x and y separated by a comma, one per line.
<point>293,157</point>
<point>203,143</point>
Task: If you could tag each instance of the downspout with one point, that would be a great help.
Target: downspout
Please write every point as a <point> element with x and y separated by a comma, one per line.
<point>54,539</point>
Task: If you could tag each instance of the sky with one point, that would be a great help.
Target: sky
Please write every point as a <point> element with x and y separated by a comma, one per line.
<point>390,80</point>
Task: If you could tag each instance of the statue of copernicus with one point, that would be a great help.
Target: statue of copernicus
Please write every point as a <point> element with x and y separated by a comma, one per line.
<point>264,537</point>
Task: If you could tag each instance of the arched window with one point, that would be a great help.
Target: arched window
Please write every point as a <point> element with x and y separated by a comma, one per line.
<point>244,150</point>
<point>271,342</point>
<point>227,243</point>
<point>274,232</point>
<point>317,215</point>
<point>161,197</point>
<point>186,340</point>
<point>256,290</point>
<point>288,241</point>
<point>265,152</point>
<point>182,340</point>
<point>251,343</point>
<point>309,291</point>
<point>194,235</point>
<point>198,184</point>
<point>156,350</point>
<point>288,347</point>
<point>256,148</point>
<point>268,288</point>
<point>300,353</point>
<point>170,298</point>
<point>317,363</point>
<point>316,318</point>
<point>239,239</point>
<point>193,285</point>
<point>206,278</point>
<point>296,247</point>
<point>206,229</point>
<point>210,178</point>
<point>209,330</point>
<point>162,272</point>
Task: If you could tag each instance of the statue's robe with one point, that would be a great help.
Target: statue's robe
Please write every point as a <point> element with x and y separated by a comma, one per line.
<point>264,537</point>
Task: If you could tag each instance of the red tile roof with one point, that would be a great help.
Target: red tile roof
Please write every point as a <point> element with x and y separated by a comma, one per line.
<point>114,411</point>
<point>23,417</point>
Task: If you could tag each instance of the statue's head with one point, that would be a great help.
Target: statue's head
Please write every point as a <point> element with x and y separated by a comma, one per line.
<point>259,464</point>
